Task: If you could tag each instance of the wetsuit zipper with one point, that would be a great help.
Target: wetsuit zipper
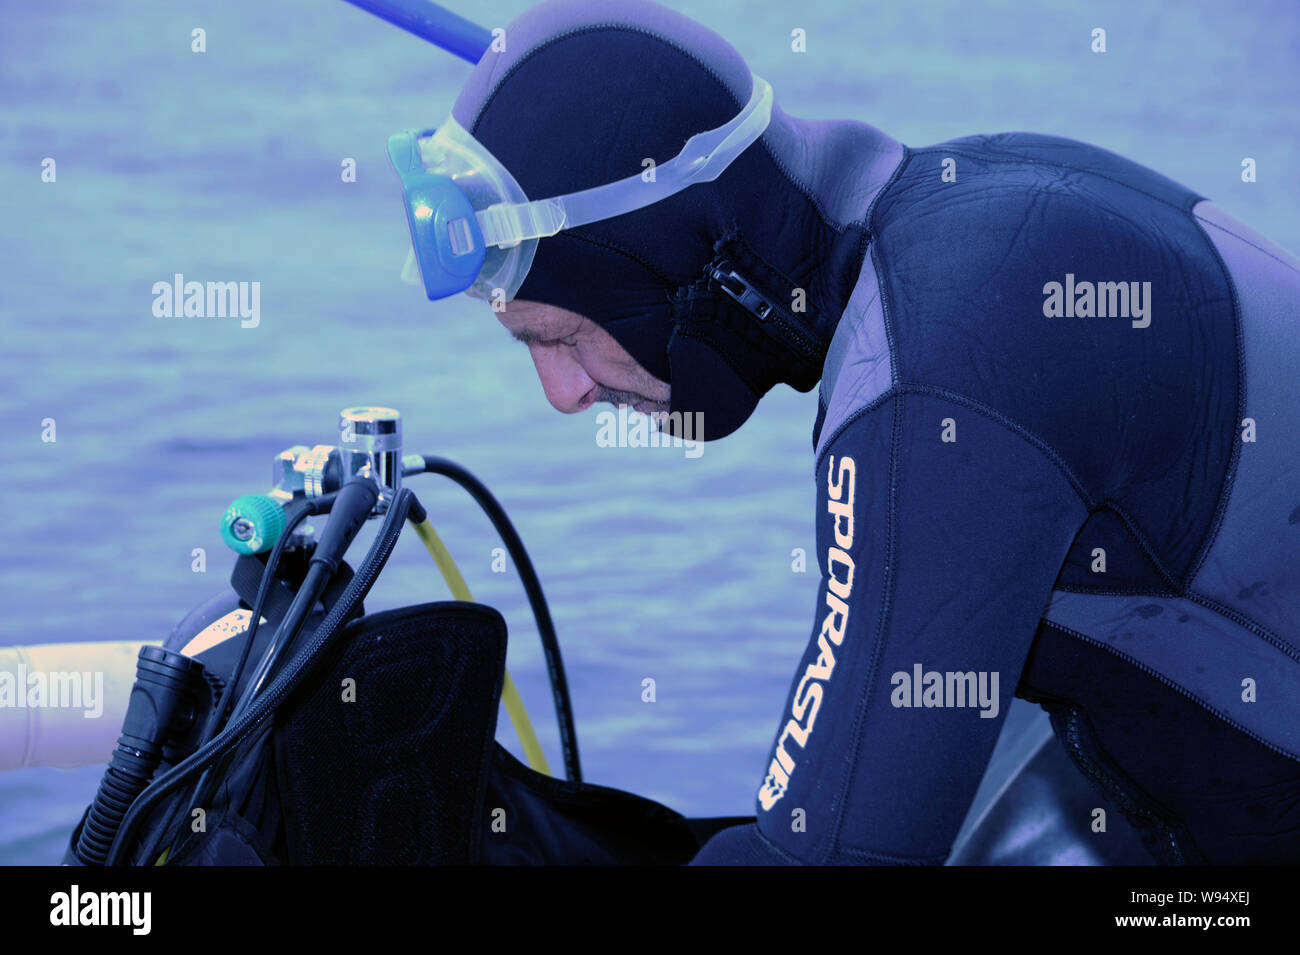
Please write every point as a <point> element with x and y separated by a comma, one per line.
<point>1073,734</point>
<point>770,315</point>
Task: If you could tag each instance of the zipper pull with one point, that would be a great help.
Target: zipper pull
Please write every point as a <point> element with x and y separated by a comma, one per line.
<point>741,290</point>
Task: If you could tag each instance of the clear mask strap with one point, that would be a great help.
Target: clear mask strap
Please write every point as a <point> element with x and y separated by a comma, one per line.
<point>704,157</point>
<point>507,225</point>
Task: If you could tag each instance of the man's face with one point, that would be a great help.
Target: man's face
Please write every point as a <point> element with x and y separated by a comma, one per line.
<point>579,363</point>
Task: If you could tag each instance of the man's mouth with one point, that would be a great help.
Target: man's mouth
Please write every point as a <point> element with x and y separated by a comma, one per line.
<point>637,402</point>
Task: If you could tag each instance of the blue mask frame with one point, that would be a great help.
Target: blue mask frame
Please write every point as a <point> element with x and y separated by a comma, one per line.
<point>445,233</point>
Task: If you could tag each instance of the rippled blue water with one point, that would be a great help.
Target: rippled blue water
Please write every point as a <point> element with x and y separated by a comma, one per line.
<point>225,166</point>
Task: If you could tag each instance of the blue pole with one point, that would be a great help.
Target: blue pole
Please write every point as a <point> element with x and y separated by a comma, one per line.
<point>431,22</point>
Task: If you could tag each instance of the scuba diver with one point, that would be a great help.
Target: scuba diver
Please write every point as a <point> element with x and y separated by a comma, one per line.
<point>1053,459</point>
<point>1056,446</point>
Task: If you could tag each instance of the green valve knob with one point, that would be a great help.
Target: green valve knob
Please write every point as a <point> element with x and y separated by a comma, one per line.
<point>252,524</point>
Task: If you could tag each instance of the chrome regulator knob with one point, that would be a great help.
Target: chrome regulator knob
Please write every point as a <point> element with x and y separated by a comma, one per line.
<point>305,471</point>
<point>370,443</point>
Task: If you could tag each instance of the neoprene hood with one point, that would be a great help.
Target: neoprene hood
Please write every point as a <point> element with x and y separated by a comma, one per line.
<point>723,290</point>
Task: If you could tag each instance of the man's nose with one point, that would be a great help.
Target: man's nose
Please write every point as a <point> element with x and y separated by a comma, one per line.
<point>563,378</point>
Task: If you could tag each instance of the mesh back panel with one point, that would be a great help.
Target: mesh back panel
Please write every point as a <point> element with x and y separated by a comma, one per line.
<point>397,776</point>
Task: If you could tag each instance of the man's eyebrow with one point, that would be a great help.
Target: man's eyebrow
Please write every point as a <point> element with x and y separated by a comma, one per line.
<point>529,337</point>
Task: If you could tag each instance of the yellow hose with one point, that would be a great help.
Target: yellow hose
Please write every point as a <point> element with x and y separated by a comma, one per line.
<point>509,692</point>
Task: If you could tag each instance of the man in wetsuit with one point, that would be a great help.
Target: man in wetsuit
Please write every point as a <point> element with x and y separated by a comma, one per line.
<point>1055,455</point>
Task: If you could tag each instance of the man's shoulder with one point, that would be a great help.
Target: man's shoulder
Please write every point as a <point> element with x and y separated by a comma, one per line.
<point>988,172</point>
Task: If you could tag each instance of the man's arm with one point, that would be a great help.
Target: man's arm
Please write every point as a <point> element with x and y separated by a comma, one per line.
<point>940,531</point>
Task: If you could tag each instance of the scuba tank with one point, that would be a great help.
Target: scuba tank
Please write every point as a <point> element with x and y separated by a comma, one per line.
<point>280,723</point>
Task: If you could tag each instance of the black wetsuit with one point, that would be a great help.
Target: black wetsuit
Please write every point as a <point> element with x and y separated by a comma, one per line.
<point>1057,448</point>
<point>1098,505</point>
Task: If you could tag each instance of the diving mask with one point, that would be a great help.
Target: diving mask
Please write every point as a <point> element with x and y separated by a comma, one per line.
<point>472,228</point>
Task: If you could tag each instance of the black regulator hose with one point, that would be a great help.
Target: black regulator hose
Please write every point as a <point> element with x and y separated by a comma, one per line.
<point>349,513</point>
<point>221,711</point>
<point>250,720</point>
<point>536,599</point>
<point>348,509</point>
<point>162,701</point>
